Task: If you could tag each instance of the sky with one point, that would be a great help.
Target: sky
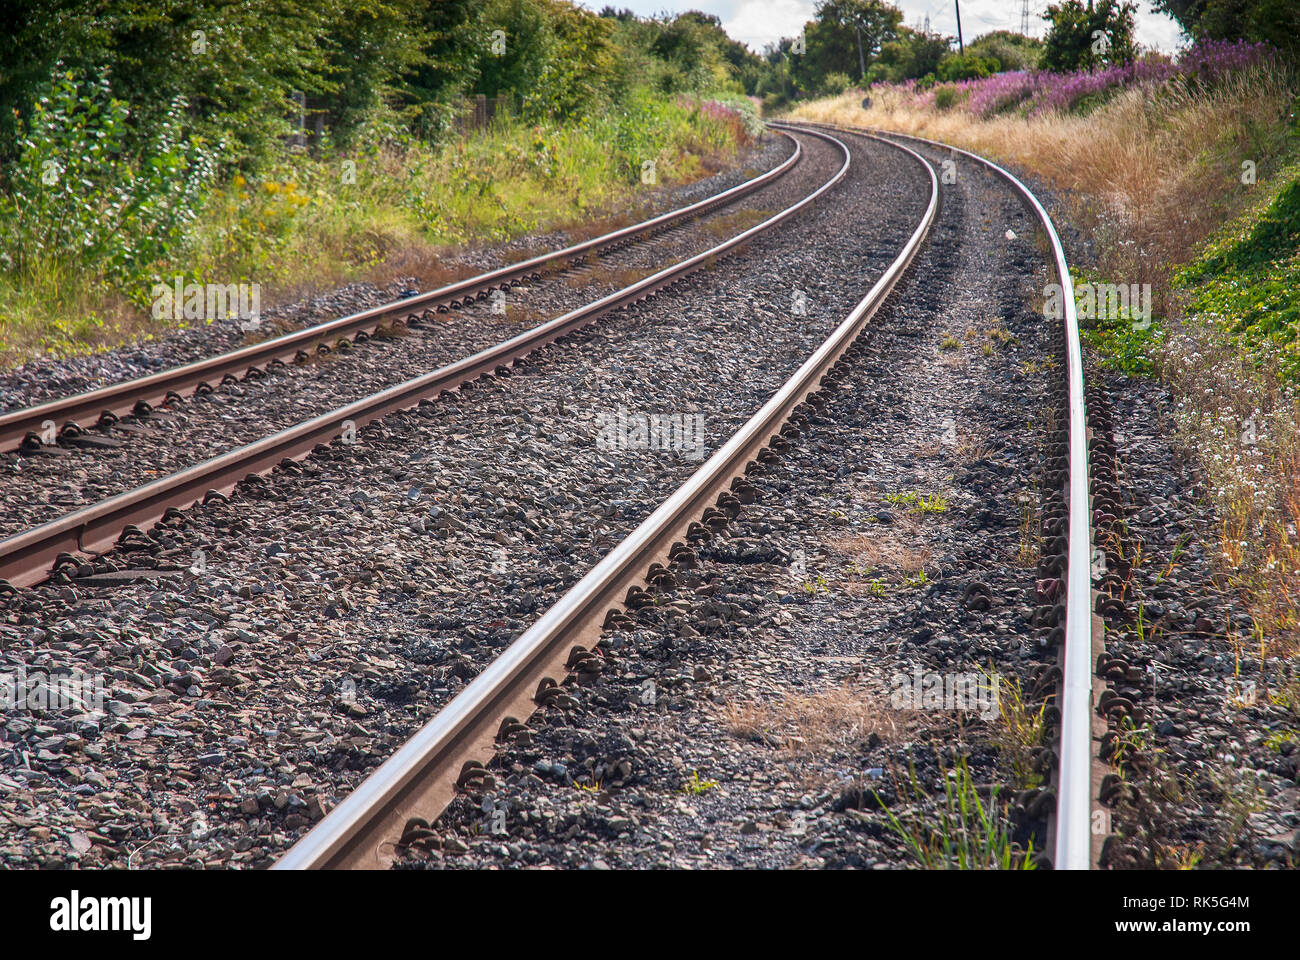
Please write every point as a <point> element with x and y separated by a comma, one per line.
<point>759,22</point>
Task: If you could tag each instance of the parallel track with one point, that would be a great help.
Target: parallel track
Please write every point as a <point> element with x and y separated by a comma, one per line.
<point>22,429</point>
<point>30,556</point>
<point>422,777</point>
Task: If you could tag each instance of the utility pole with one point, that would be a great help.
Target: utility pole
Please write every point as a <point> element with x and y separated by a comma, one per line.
<point>1024,17</point>
<point>862,64</point>
<point>961,47</point>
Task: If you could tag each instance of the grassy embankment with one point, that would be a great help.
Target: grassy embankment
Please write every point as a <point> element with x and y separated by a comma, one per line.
<point>310,224</point>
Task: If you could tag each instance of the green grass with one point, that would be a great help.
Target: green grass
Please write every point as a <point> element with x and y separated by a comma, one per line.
<point>958,831</point>
<point>313,222</point>
<point>918,579</point>
<point>1120,343</point>
<point>919,502</point>
<point>695,786</point>
<point>1248,277</point>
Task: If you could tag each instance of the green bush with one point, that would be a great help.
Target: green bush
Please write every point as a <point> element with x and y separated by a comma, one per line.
<point>73,196</point>
<point>835,84</point>
<point>945,98</point>
<point>967,67</point>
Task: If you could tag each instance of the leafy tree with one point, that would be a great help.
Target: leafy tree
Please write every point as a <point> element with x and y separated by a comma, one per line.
<point>235,64</point>
<point>912,55</point>
<point>1013,51</point>
<point>966,66</point>
<point>686,45</point>
<point>688,52</point>
<point>1272,21</point>
<point>843,37</point>
<point>1083,36</point>
<point>371,46</point>
<point>454,39</point>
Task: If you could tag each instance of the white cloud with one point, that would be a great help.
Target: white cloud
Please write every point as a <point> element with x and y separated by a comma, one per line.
<point>760,22</point>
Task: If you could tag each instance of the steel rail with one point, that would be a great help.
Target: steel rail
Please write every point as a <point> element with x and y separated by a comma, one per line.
<point>1073,848</point>
<point>17,426</point>
<point>26,557</point>
<point>420,779</point>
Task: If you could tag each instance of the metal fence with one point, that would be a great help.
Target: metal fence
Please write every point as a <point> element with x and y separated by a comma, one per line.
<point>481,109</point>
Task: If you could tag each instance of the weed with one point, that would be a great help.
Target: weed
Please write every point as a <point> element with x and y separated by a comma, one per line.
<point>959,831</point>
<point>1020,731</point>
<point>695,786</point>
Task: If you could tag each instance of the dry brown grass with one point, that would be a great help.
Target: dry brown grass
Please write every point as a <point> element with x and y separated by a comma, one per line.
<point>1030,548</point>
<point>429,267</point>
<point>974,447</point>
<point>882,551</point>
<point>578,231</point>
<point>1148,177</point>
<point>616,277</point>
<point>730,224</point>
<point>800,726</point>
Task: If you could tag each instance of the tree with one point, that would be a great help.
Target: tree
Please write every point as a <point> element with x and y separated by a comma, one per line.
<point>454,39</point>
<point>911,56</point>
<point>843,37</point>
<point>1084,36</point>
<point>1013,51</point>
<point>235,64</point>
<point>1272,21</point>
<point>556,56</point>
<point>966,66</point>
<point>370,46</point>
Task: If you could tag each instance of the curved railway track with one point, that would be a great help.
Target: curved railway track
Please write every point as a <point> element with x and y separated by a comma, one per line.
<point>67,417</point>
<point>31,555</point>
<point>421,778</point>
<point>417,782</point>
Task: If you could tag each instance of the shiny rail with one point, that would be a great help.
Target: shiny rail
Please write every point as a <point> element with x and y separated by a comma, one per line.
<point>25,427</point>
<point>422,777</point>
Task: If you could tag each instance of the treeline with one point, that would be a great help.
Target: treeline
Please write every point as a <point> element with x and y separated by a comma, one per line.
<point>860,42</point>
<point>295,143</point>
<point>245,75</point>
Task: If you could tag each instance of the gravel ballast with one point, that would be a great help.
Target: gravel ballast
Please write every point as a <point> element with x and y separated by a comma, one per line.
<point>43,487</point>
<point>263,654</point>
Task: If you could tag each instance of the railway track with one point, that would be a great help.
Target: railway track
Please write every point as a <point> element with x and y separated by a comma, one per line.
<point>496,467</point>
<point>1080,823</point>
<point>31,555</point>
<point>416,783</point>
<point>67,418</point>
